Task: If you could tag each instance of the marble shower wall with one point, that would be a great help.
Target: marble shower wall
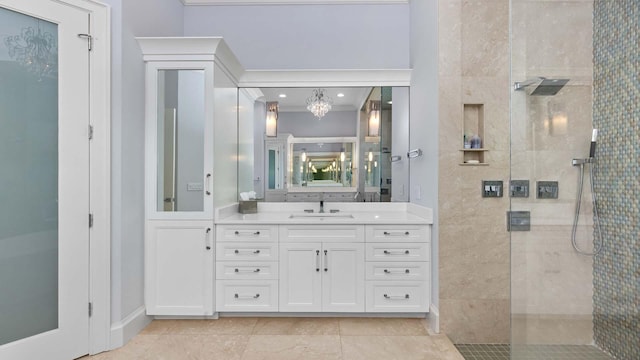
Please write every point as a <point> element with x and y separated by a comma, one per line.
<point>474,243</point>
<point>551,39</point>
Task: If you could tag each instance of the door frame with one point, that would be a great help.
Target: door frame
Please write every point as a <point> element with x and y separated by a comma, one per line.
<point>100,173</point>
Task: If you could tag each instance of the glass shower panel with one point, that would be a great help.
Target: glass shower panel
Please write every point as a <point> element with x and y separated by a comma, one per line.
<point>29,176</point>
<point>551,124</point>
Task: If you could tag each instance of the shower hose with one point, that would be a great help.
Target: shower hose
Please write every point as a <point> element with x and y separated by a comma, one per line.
<point>597,244</point>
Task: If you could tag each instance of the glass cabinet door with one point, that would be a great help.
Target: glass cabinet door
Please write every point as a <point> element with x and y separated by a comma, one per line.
<point>179,126</point>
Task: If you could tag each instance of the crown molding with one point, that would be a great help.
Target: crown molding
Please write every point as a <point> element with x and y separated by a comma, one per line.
<point>293,2</point>
<point>325,78</point>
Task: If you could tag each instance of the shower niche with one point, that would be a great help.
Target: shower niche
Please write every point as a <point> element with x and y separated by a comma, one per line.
<point>473,140</point>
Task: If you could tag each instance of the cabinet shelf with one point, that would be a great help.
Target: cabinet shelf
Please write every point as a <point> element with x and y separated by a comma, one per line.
<point>471,164</point>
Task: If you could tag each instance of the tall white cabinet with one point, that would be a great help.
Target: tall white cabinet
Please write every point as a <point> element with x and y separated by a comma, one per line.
<point>191,91</point>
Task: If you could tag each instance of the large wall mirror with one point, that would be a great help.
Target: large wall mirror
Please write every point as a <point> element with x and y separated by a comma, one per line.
<point>331,144</point>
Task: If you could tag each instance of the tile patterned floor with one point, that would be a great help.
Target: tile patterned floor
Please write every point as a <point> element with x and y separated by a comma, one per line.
<point>285,339</point>
<point>531,352</point>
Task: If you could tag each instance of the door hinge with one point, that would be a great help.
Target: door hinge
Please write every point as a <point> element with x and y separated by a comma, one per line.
<point>90,132</point>
<point>90,309</point>
<point>90,220</point>
<point>89,40</point>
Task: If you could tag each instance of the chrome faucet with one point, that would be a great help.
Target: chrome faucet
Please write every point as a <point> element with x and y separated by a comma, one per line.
<point>321,207</point>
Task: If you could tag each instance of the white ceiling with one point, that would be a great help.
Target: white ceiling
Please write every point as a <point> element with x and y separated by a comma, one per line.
<point>296,99</point>
<point>292,2</point>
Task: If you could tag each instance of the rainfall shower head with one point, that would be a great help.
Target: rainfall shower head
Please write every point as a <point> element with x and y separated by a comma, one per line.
<point>541,86</point>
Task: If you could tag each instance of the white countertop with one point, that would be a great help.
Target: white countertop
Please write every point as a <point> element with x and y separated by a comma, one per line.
<point>350,213</point>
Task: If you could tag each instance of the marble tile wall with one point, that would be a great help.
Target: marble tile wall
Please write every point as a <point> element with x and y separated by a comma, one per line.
<point>474,244</point>
<point>551,39</point>
<point>617,114</point>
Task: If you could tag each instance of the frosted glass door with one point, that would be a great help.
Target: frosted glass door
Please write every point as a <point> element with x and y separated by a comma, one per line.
<point>29,179</point>
<point>44,162</point>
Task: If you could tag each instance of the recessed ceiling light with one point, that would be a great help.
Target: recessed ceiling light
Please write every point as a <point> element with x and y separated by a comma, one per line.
<point>282,96</point>
<point>340,95</point>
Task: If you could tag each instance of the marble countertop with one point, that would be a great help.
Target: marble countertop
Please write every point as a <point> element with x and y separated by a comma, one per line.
<point>349,213</point>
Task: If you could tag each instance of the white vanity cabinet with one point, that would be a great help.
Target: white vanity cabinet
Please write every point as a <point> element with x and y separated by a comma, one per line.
<point>322,268</point>
<point>397,268</point>
<point>178,265</point>
<point>247,268</point>
<point>190,95</point>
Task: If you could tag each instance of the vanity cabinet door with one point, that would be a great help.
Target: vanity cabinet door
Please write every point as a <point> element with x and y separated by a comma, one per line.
<point>300,277</point>
<point>343,277</point>
<point>179,268</point>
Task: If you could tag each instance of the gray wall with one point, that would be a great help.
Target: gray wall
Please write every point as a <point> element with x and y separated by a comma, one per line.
<point>616,112</point>
<point>128,20</point>
<point>424,118</point>
<point>309,36</point>
<point>305,124</point>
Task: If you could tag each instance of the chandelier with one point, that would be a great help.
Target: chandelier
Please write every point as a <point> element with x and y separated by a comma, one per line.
<point>34,49</point>
<point>318,103</point>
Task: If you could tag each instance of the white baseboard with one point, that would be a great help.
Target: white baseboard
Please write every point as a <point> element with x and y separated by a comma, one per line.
<point>125,329</point>
<point>434,319</point>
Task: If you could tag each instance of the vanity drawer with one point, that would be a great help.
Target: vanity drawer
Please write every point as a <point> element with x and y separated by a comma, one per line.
<point>397,251</point>
<point>404,233</point>
<point>298,197</point>
<point>247,295</point>
<point>397,270</point>
<point>341,197</point>
<point>246,233</point>
<point>322,233</point>
<point>400,296</point>
<point>253,251</point>
<point>267,270</point>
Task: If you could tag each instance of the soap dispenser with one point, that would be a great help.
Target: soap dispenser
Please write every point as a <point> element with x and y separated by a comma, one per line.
<point>476,142</point>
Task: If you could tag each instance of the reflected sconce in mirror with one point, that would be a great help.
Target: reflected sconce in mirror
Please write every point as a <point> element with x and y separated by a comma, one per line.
<point>303,157</point>
<point>374,118</point>
<point>271,128</point>
<point>370,156</point>
<point>342,155</point>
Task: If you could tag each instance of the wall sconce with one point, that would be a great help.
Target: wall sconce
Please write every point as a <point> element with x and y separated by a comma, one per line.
<point>342,155</point>
<point>303,157</point>
<point>370,155</point>
<point>374,118</point>
<point>272,118</point>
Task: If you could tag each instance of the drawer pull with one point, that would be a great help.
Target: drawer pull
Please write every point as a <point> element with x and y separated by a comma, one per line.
<point>399,233</point>
<point>387,271</point>
<point>396,297</point>
<point>238,233</point>
<point>256,252</point>
<point>317,260</point>
<point>237,296</point>
<point>252,271</point>
<point>388,252</point>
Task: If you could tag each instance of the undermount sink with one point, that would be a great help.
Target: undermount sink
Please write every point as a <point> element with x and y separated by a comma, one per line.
<point>321,216</point>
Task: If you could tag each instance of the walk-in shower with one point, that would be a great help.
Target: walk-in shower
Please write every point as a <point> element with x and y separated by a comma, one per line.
<point>574,63</point>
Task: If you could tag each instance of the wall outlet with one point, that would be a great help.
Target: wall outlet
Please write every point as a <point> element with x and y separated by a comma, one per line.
<point>194,187</point>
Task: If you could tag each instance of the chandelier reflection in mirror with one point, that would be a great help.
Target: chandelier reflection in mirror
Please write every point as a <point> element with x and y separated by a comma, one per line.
<point>34,49</point>
<point>318,103</point>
